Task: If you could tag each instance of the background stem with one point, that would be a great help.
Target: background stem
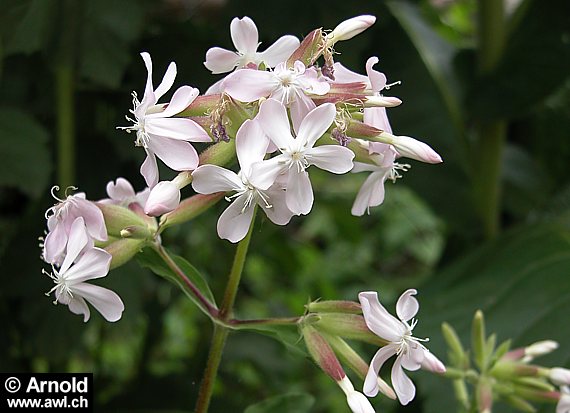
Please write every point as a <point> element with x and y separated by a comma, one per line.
<point>221,332</point>
<point>491,134</point>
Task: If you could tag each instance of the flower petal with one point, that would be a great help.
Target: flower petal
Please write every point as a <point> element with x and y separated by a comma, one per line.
<point>279,51</point>
<point>149,170</point>
<point>209,179</point>
<point>371,194</point>
<point>54,245</point>
<point>94,220</point>
<point>181,99</point>
<point>377,79</point>
<point>371,382</point>
<point>163,198</point>
<point>378,118</point>
<point>263,174</point>
<point>344,75</point>
<point>149,89</point>
<point>407,305</point>
<point>77,305</point>
<point>273,120</point>
<point>177,155</point>
<point>300,108</point>
<point>278,213</point>
<point>107,302</point>
<point>94,263</point>
<point>76,241</point>
<point>299,193</point>
<point>432,363</point>
<point>181,129</point>
<point>120,190</point>
<point>251,145</point>
<point>316,124</point>
<point>220,60</point>
<point>413,358</point>
<point>403,386</point>
<point>378,320</point>
<point>244,35</point>
<point>358,403</point>
<point>167,81</point>
<point>332,158</point>
<point>234,222</point>
<point>249,85</point>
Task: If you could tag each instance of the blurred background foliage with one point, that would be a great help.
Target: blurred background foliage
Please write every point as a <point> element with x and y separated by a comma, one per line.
<point>67,70</point>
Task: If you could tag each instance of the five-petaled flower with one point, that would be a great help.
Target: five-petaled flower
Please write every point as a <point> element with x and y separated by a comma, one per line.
<point>246,40</point>
<point>158,132</point>
<point>298,153</point>
<point>410,352</point>
<point>82,263</point>
<point>251,147</point>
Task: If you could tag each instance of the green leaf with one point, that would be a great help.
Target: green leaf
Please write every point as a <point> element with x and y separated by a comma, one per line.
<point>285,403</point>
<point>150,259</point>
<point>535,63</point>
<point>26,162</point>
<point>520,281</point>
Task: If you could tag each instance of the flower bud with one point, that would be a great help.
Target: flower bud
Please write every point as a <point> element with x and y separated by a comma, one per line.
<point>349,28</point>
<point>163,198</point>
<point>309,50</point>
<point>560,376</point>
<point>350,326</point>
<point>322,353</point>
<point>357,402</point>
<point>334,306</point>
<point>411,148</point>
<point>118,217</point>
<point>190,208</point>
<point>123,250</point>
<point>381,101</point>
<point>539,348</point>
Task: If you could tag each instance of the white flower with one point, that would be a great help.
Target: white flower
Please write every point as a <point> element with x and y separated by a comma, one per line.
<point>60,218</point>
<point>371,192</point>
<point>246,40</point>
<point>289,86</point>
<point>560,376</point>
<point>158,132</point>
<point>163,198</point>
<point>122,193</point>
<point>297,154</point>
<point>82,264</point>
<point>410,352</point>
<point>357,402</point>
<point>251,147</point>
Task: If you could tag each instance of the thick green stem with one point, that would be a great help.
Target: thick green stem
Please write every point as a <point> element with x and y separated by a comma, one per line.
<point>221,331</point>
<point>491,134</point>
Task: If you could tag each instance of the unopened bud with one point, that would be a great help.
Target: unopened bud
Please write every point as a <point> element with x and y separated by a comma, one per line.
<point>350,28</point>
<point>484,396</point>
<point>163,198</point>
<point>123,250</point>
<point>322,353</point>
<point>411,148</point>
<point>351,326</point>
<point>118,217</point>
<point>381,101</point>
<point>357,402</point>
<point>539,348</point>
<point>519,403</point>
<point>560,376</point>
<point>334,306</point>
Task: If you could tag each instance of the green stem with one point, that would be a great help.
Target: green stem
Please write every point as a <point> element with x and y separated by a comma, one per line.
<point>221,331</point>
<point>491,134</point>
<point>64,79</point>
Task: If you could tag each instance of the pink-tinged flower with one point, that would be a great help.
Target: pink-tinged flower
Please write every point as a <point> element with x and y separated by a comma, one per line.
<point>122,193</point>
<point>246,41</point>
<point>233,224</point>
<point>297,154</point>
<point>81,265</point>
<point>410,353</point>
<point>375,82</point>
<point>158,132</point>
<point>357,402</point>
<point>289,86</point>
<point>163,198</point>
<point>563,405</point>
<point>60,218</point>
